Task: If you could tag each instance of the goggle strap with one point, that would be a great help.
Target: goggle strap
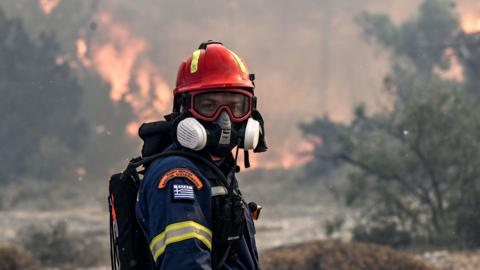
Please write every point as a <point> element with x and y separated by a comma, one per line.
<point>177,103</point>
<point>186,100</point>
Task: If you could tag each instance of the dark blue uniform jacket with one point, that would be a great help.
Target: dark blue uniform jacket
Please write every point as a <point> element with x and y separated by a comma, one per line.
<point>177,219</point>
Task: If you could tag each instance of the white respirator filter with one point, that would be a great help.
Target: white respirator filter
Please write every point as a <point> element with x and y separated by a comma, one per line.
<point>191,134</point>
<point>252,134</point>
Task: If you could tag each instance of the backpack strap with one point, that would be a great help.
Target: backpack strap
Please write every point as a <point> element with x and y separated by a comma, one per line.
<point>196,158</point>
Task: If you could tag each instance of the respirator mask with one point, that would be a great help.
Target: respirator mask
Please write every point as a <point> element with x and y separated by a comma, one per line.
<point>217,121</point>
<point>218,137</point>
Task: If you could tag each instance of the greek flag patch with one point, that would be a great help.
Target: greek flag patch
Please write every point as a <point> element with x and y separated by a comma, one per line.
<point>183,192</point>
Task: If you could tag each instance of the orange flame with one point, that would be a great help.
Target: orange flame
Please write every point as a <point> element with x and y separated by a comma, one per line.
<point>82,50</point>
<point>114,60</point>
<point>285,158</point>
<point>121,61</point>
<point>300,156</point>
<point>470,23</point>
<point>48,6</point>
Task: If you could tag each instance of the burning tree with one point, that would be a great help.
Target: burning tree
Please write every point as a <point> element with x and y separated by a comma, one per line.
<point>416,168</point>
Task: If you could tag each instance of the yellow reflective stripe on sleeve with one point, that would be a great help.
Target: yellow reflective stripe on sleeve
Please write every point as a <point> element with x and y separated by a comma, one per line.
<point>178,232</point>
<point>194,64</point>
<point>239,61</point>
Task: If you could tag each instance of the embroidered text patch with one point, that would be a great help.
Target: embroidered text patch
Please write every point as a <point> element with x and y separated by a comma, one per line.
<point>180,173</point>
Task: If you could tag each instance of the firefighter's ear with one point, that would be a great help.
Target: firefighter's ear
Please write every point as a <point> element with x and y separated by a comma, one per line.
<point>262,142</point>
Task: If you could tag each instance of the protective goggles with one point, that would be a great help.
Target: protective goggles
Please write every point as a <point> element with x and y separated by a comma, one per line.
<point>208,105</point>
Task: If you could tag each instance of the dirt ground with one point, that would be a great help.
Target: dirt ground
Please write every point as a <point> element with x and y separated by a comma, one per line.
<point>457,260</point>
<point>272,231</point>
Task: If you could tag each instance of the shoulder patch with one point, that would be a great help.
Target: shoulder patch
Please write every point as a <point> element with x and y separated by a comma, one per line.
<point>182,173</point>
<point>183,192</point>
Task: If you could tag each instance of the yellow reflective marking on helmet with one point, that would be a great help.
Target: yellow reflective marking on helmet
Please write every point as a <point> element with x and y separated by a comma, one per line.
<point>239,61</point>
<point>194,64</point>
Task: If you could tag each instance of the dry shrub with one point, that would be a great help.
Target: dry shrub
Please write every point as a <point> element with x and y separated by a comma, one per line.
<point>333,255</point>
<point>16,258</point>
<point>58,247</point>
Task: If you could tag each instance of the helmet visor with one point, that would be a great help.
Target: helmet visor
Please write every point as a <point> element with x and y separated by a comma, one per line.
<point>208,105</point>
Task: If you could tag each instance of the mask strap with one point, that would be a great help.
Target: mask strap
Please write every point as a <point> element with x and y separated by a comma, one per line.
<point>234,169</point>
<point>246,159</point>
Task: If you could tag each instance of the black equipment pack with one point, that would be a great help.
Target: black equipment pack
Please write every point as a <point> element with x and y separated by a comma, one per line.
<point>128,247</point>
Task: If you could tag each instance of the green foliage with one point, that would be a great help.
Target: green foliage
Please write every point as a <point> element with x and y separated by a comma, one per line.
<point>39,107</point>
<point>334,225</point>
<point>421,40</point>
<point>325,134</point>
<point>417,166</point>
<point>383,234</point>
<point>49,107</point>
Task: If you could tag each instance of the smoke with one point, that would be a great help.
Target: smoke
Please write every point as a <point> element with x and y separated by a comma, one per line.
<point>455,72</point>
<point>309,56</point>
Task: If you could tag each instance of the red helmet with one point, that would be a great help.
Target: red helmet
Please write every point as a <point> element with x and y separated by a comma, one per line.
<point>212,66</point>
<point>206,74</point>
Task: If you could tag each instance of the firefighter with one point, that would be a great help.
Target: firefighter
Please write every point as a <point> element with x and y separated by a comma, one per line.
<point>192,218</point>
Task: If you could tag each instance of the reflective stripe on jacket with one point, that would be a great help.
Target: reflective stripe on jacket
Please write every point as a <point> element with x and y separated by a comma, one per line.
<point>177,222</point>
